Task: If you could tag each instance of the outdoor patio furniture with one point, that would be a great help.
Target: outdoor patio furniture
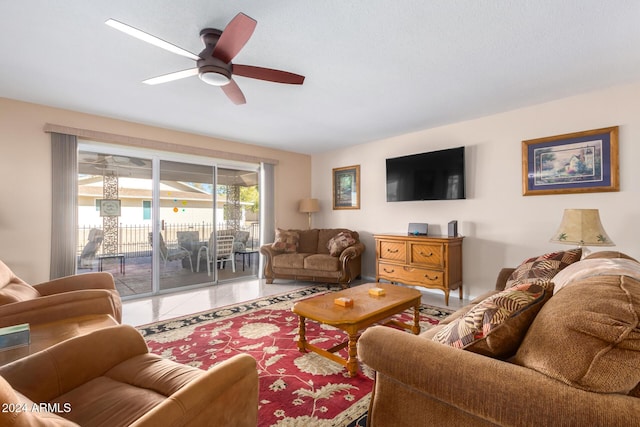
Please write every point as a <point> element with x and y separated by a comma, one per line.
<point>94,240</point>
<point>240,242</point>
<point>171,253</point>
<point>240,238</point>
<point>223,252</point>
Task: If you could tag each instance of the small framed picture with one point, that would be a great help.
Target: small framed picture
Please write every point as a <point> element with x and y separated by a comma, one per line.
<point>109,207</point>
<point>580,162</point>
<point>346,187</point>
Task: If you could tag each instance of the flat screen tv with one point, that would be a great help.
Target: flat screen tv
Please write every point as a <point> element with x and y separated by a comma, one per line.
<point>436,175</point>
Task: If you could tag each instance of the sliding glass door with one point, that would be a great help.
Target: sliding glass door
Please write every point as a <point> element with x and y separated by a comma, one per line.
<point>114,218</point>
<point>238,217</point>
<point>187,216</point>
<point>161,225</point>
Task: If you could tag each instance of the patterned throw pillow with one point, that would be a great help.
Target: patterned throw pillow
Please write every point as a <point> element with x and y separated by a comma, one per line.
<point>286,241</point>
<point>543,267</point>
<point>340,242</point>
<point>496,326</point>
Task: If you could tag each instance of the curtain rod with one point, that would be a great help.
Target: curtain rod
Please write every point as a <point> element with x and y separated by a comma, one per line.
<point>153,144</point>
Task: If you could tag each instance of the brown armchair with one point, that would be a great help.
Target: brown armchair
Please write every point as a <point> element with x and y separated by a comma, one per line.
<point>109,378</point>
<point>71,296</point>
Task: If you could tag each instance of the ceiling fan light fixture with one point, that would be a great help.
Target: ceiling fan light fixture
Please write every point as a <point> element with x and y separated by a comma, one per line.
<point>214,76</point>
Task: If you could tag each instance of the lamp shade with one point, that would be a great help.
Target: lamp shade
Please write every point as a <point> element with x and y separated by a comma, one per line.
<point>309,205</point>
<point>582,227</point>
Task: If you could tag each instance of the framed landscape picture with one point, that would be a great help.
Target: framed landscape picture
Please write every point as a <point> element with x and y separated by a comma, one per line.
<point>581,162</point>
<point>346,187</point>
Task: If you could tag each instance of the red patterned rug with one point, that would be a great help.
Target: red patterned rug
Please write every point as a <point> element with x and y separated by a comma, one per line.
<point>296,389</point>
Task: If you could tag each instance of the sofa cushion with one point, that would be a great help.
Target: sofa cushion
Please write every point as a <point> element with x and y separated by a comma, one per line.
<point>104,401</point>
<point>543,267</point>
<point>496,326</point>
<point>18,410</point>
<point>286,241</point>
<point>588,335</point>
<point>322,262</point>
<point>308,242</point>
<point>292,260</point>
<point>340,242</point>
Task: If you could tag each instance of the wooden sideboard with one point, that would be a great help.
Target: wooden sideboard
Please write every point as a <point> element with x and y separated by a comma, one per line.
<point>431,262</point>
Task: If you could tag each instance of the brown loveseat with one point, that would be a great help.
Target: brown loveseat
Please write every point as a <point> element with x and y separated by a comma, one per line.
<point>309,258</point>
<point>578,363</point>
<point>72,296</point>
<point>108,378</point>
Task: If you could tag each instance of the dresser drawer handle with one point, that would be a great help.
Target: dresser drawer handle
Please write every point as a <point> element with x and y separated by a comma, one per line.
<point>430,278</point>
<point>388,271</point>
<point>427,255</point>
<point>392,251</point>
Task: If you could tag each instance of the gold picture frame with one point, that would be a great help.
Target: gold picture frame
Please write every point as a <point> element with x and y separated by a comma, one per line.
<point>346,187</point>
<point>579,162</point>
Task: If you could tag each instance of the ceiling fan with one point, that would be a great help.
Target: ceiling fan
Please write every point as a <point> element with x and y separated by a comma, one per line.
<point>214,64</point>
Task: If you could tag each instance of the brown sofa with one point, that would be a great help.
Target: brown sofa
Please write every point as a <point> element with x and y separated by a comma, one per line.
<point>578,363</point>
<point>312,261</point>
<point>108,378</point>
<point>72,296</point>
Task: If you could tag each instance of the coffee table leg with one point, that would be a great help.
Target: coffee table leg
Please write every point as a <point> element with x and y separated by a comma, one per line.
<point>416,320</point>
<point>302,341</point>
<point>352,362</point>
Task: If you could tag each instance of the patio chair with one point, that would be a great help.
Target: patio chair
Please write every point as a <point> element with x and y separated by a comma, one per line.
<point>240,238</point>
<point>223,252</point>
<point>173,253</point>
<point>240,242</point>
<point>94,240</point>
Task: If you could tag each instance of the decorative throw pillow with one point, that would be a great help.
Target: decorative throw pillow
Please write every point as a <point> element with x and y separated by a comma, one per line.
<point>543,267</point>
<point>340,242</point>
<point>496,326</point>
<point>286,241</point>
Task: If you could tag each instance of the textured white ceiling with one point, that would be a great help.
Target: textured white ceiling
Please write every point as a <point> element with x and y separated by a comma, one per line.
<point>374,68</point>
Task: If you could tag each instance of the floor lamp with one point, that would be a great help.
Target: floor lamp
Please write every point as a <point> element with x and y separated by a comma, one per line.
<point>309,206</point>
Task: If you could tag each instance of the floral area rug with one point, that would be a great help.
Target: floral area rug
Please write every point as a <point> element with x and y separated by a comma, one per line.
<point>296,389</point>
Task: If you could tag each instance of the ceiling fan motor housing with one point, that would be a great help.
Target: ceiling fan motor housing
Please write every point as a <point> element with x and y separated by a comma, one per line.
<point>212,70</point>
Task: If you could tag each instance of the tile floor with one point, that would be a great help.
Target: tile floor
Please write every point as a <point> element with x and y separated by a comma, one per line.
<point>152,309</point>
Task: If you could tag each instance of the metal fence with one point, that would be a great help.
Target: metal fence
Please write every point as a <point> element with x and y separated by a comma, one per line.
<point>133,239</point>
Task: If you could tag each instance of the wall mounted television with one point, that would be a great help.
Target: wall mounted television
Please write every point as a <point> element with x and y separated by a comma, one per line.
<point>435,175</point>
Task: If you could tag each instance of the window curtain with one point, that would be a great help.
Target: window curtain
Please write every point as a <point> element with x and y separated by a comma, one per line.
<point>64,209</point>
<point>267,209</point>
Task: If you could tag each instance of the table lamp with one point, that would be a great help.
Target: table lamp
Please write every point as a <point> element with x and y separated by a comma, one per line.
<point>308,206</point>
<point>582,227</point>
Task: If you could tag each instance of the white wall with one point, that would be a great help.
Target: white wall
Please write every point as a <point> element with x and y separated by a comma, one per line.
<point>501,227</point>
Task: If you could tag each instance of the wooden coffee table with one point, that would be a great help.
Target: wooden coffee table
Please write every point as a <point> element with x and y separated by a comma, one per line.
<point>366,311</point>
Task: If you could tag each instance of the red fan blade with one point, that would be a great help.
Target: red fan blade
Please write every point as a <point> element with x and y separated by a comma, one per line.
<point>268,74</point>
<point>234,37</point>
<point>233,92</point>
